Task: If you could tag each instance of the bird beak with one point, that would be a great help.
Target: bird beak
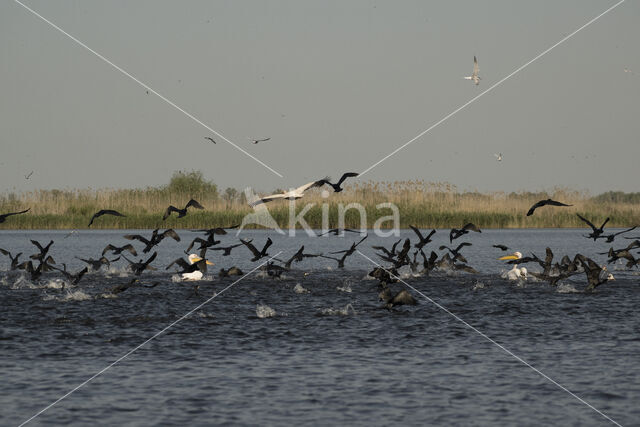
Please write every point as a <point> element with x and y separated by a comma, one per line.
<point>507,257</point>
<point>210,263</point>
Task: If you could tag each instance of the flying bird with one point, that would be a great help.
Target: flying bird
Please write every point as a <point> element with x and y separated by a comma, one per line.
<point>27,176</point>
<point>255,141</point>
<point>256,253</point>
<point>476,69</point>
<point>140,266</point>
<point>14,259</point>
<point>595,234</point>
<point>118,250</point>
<point>337,231</point>
<point>96,264</point>
<point>156,238</point>
<point>3,217</point>
<point>294,194</point>
<point>498,156</point>
<point>455,233</point>
<point>210,139</point>
<point>611,237</point>
<point>544,203</point>
<point>423,240</point>
<point>181,212</point>
<point>336,186</point>
<point>104,212</point>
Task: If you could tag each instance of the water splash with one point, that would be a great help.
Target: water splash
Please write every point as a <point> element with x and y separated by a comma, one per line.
<point>338,311</point>
<point>566,288</point>
<point>264,311</point>
<point>299,289</point>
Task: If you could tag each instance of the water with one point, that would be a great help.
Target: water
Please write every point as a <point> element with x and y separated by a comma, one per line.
<point>264,351</point>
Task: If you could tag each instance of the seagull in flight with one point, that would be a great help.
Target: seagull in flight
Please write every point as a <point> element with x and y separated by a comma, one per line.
<point>498,156</point>
<point>474,76</point>
<point>255,141</point>
<point>294,194</point>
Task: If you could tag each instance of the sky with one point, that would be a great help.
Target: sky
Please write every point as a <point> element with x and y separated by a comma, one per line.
<point>336,85</point>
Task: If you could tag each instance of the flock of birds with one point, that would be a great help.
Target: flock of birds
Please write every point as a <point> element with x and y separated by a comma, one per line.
<point>410,254</point>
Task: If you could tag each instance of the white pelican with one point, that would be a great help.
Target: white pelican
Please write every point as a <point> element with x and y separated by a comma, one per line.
<point>516,272</point>
<point>474,76</point>
<point>294,194</point>
<point>196,274</point>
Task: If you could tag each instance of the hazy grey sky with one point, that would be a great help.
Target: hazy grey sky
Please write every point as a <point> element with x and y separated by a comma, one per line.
<point>337,85</point>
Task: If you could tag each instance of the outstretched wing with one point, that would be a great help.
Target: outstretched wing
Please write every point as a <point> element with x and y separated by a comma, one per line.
<point>170,232</point>
<point>587,222</point>
<point>476,67</point>
<point>536,206</point>
<point>194,203</point>
<point>250,246</point>
<point>170,209</point>
<point>345,176</point>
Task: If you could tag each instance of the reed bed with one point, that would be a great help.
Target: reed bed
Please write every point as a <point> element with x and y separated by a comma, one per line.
<point>423,204</point>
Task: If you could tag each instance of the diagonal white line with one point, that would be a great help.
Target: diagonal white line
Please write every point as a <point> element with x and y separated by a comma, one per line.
<point>522,67</point>
<point>127,354</point>
<point>168,101</point>
<point>503,348</point>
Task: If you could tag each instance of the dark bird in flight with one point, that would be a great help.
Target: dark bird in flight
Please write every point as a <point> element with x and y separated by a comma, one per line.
<point>456,252</point>
<point>336,186</point>
<point>210,139</point>
<point>256,253</point>
<point>624,253</point>
<point>390,253</point>
<point>118,250</point>
<point>596,275</point>
<point>255,141</point>
<point>501,247</point>
<point>104,212</point>
<point>96,264</point>
<point>181,212</point>
<point>611,237</point>
<point>3,217</point>
<point>337,231</point>
<point>27,176</point>
<point>155,239</point>
<point>72,278</point>
<point>423,240</point>
<point>455,233</point>
<point>226,249</point>
<point>44,250</point>
<point>35,272</point>
<point>595,234</point>
<point>140,266</point>
<point>210,240</point>
<point>352,249</point>
<point>14,259</point>
<point>299,256</point>
<point>544,203</point>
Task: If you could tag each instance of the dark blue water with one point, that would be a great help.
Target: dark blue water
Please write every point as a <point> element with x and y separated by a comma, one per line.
<point>329,356</point>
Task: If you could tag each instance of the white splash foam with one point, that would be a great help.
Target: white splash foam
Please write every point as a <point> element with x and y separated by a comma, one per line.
<point>338,311</point>
<point>264,311</point>
<point>566,288</point>
<point>299,289</point>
